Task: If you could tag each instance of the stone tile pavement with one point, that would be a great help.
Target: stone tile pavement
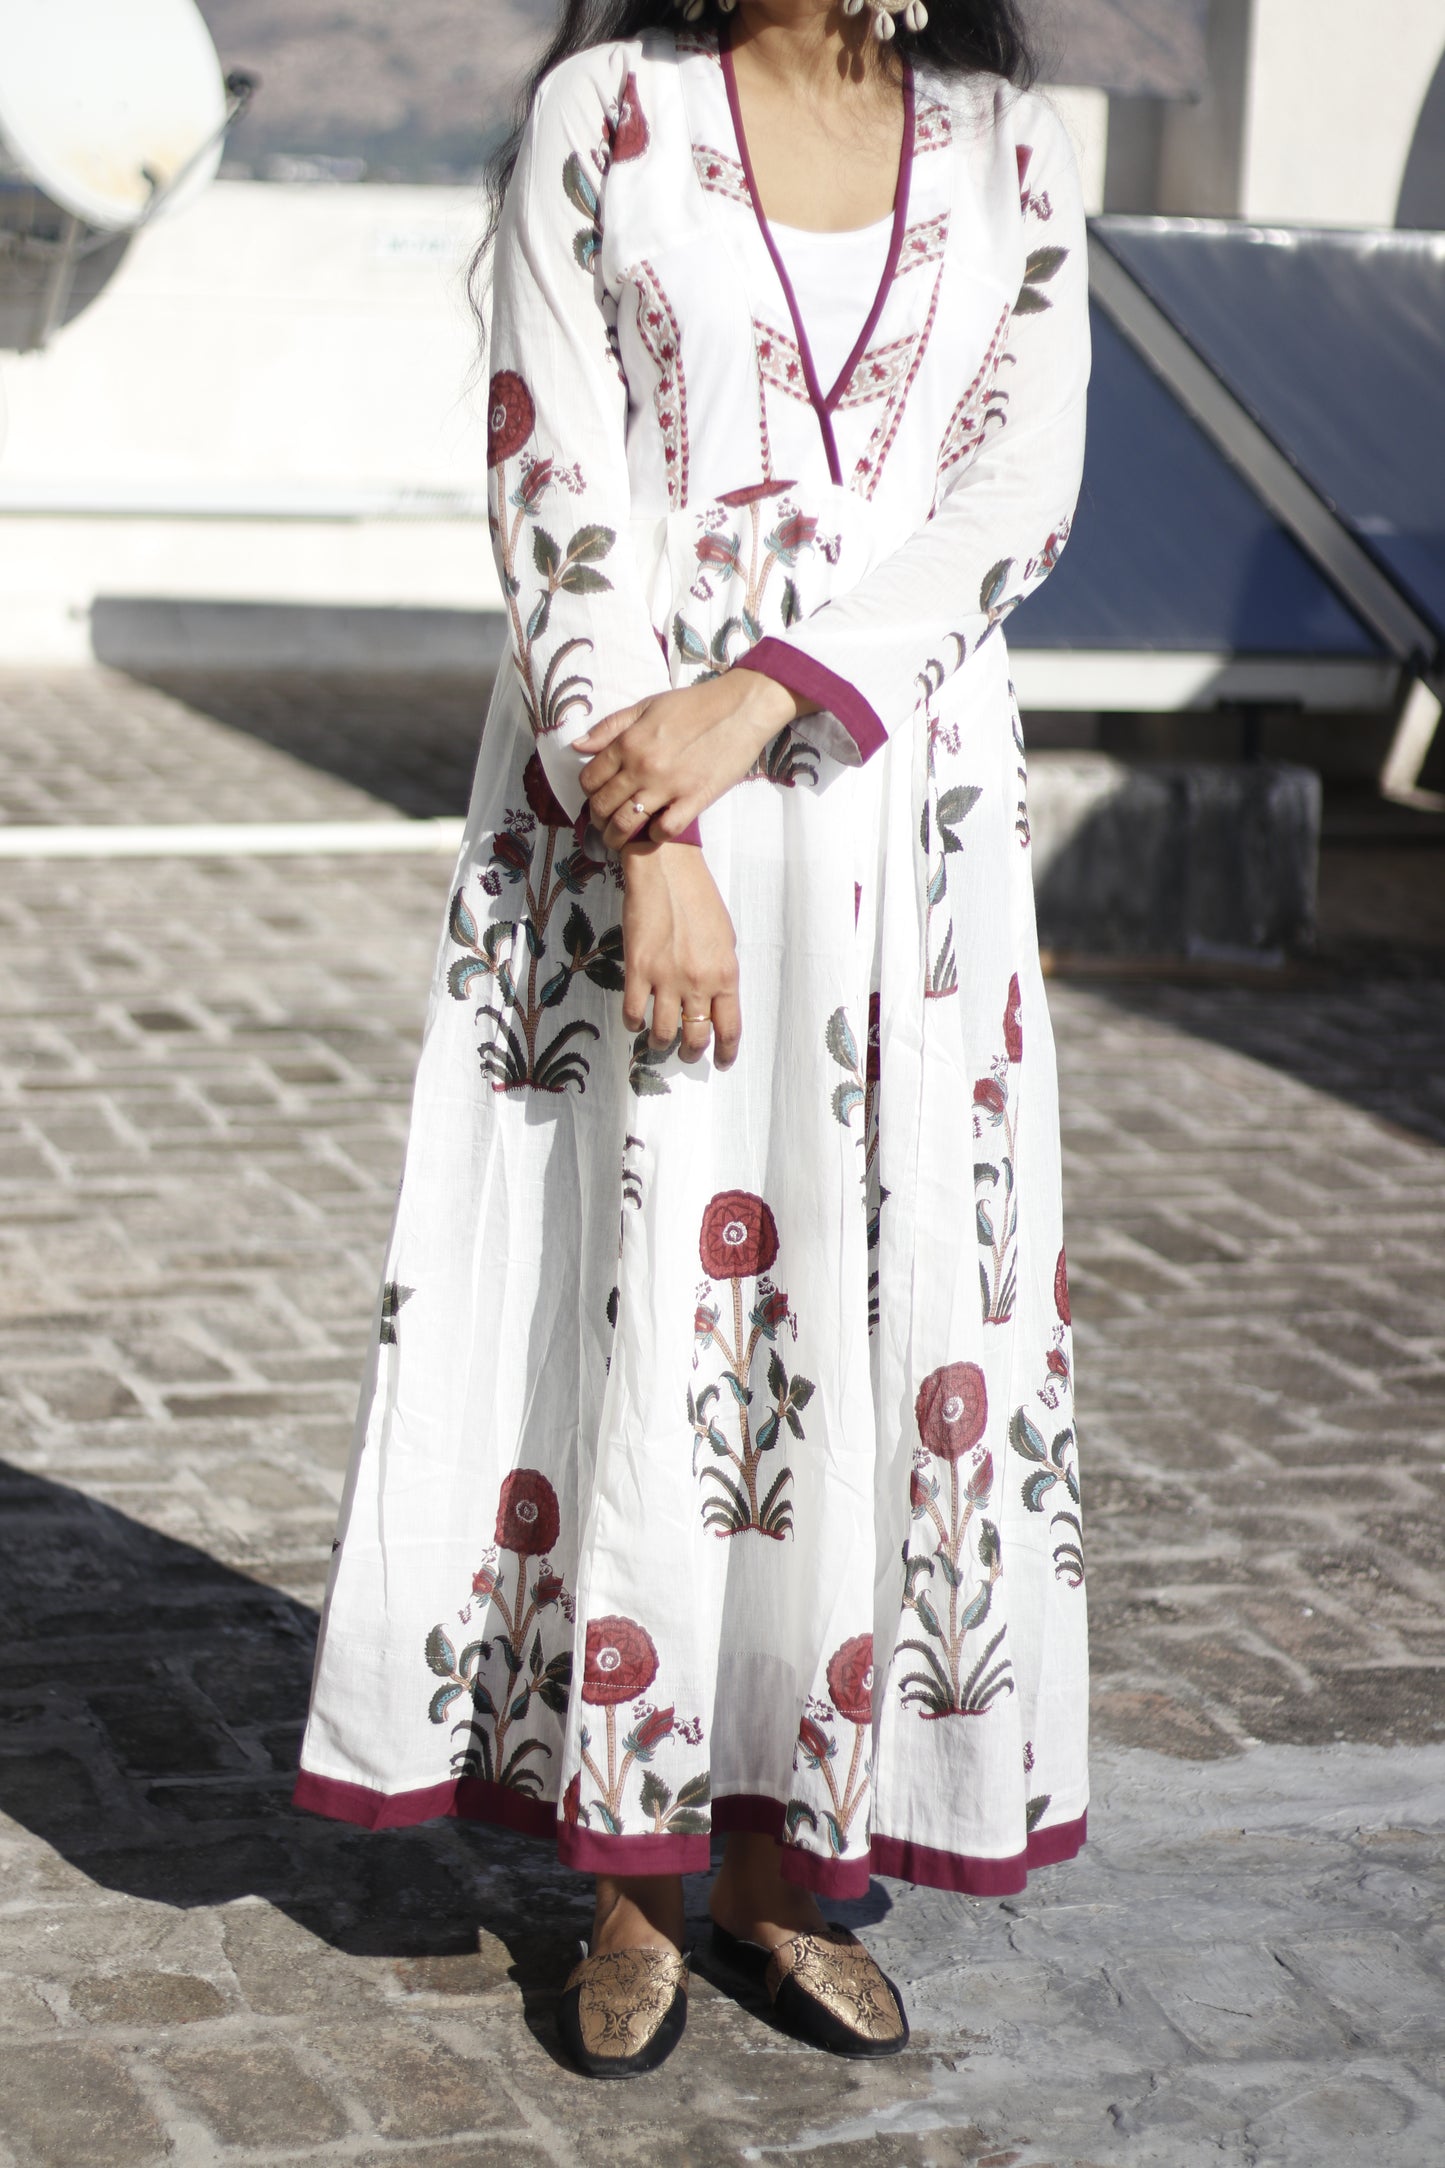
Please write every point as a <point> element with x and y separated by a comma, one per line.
<point>203,1077</point>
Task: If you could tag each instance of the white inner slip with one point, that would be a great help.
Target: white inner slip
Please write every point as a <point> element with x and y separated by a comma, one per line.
<point>835,278</point>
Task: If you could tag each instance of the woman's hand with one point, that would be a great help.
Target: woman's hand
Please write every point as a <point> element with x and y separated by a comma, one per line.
<point>679,952</point>
<point>677,753</point>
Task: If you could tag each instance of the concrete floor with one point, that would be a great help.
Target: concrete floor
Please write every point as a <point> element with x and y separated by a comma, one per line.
<point>203,1078</point>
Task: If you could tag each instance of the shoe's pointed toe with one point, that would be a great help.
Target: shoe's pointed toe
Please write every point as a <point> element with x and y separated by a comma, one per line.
<point>825,1989</point>
<point>623,2012</point>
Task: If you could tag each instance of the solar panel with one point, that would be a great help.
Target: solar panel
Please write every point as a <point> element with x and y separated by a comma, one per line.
<point>1171,549</point>
<point>1335,343</point>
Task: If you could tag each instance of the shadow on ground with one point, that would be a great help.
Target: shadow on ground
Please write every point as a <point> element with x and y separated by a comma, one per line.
<point>410,741</point>
<point>152,1708</point>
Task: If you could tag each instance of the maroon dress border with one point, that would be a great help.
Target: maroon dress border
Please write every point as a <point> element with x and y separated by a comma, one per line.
<point>470,1799</point>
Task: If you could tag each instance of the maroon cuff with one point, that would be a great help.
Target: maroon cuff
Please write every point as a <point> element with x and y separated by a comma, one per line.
<point>814,682</point>
<point>691,834</point>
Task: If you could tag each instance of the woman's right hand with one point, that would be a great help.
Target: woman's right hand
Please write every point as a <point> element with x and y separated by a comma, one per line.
<point>679,952</point>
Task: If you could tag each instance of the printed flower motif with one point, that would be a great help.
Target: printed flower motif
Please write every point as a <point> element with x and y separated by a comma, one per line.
<point>850,1679</point>
<point>989,1093</point>
<point>620,1664</point>
<point>528,1517</point>
<point>720,551</point>
<point>548,1589</point>
<point>755,493</point>
<point>952,1410</point>
<point>739,1237</point>
<point>1057,1363</point>
<point>629,133</point>
<point>531,488</point>
<point>1013,1030</point>
<point>791,536</point>
<point>572,1801</point>
<point>540,795</point>
<point>653,1729</point>
<point>919,1492</point>
<point>1061,1289</point>
<point>483,1582</point>
<point>980,1482</point>
<point>814,1740</point>
<point>511,416</point>
<point>774,1310</point>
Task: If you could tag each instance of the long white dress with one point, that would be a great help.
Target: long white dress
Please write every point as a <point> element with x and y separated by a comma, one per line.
<point>715,1465</point>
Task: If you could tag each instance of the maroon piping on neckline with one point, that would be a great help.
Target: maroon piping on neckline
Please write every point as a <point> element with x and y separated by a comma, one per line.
<point>823,407</point>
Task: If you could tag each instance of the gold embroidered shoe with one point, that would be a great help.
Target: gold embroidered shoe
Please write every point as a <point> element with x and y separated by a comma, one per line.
<point>824,1988</point>
<point>623,2011</point>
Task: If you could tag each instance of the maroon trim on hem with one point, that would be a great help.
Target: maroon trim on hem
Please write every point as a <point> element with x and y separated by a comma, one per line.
<point>467,1799</point>
<point>591,1854</point>
<point>920,1863</point>
<point>471,1799</point>
<point>826,1877</point>
<point>823,406</point>
<point>813,681</point>
<point>751,1812</point>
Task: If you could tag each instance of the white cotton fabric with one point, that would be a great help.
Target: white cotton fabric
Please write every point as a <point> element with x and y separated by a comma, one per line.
<point>834,278</point>
<point>560,1313</point>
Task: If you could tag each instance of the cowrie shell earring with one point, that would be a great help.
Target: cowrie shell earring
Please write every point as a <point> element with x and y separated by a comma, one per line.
<point>914,13</point>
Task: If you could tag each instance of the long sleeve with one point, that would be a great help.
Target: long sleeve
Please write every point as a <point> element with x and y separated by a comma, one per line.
<point>868,657</point>
<point>582,639</point>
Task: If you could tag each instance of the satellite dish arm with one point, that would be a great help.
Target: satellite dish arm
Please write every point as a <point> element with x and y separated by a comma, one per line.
<point>241,88</point>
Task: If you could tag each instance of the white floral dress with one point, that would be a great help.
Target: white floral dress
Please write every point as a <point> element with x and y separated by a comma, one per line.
<point>715,1467</point>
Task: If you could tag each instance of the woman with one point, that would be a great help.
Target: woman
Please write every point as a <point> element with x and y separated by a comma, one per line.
<point>715,1469</point>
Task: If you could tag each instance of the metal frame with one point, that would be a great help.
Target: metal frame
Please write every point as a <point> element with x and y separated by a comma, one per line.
<point>1370,592</point>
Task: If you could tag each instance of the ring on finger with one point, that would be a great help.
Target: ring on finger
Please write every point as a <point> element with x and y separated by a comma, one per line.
<point>639,808</point>
<point>704,1016</point>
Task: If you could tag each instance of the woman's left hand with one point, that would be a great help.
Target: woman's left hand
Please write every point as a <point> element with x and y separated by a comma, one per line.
<point>676,753</point>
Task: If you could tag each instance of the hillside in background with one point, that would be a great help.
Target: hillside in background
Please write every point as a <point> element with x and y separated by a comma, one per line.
<point>422,90</point>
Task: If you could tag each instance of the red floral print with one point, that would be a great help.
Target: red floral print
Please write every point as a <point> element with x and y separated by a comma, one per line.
<point>987,1092</point>
<point>528,1516</point>
<point>534,483</point>
<point>1013,1030</point>
<point>572,1802</point>
<point>1061,1289</point>
<point>548,1590</point>
<point>629,134</point>
<point>654,1729</point>
<point>850,1679</point>
<point>952,1410</point>
<point>814,1739</point>
<point>540,795</point>
<point>739,1237</point>
<point>794,534</point>
<point>754,493</point>
<point>511,416</point>
<point>620,1664</point>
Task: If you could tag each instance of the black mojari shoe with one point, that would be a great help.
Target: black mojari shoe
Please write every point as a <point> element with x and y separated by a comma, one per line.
<point>623,2012</point>
<point>824,1988</point>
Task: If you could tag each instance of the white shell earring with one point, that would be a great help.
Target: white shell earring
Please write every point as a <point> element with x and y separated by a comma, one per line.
<point>914,13</point>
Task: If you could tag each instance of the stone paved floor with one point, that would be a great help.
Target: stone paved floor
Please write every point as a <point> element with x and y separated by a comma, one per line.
<point>203,1077</point>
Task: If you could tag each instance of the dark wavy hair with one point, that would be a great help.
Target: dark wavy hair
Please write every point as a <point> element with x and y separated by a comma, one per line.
<point>961,37</point>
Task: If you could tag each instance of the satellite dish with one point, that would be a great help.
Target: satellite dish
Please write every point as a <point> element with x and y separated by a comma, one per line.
<point>110,111</point>
<point>107,105</point>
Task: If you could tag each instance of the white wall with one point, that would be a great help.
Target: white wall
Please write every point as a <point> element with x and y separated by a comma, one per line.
<point>1311,113</point>
<point>300,355</point>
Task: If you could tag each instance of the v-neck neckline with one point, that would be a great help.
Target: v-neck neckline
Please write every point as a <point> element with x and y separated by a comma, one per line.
<point>824,404</point>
